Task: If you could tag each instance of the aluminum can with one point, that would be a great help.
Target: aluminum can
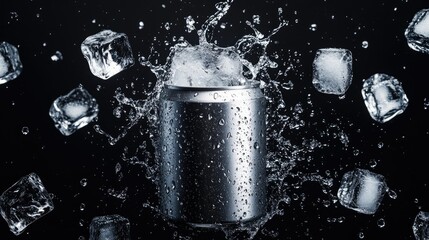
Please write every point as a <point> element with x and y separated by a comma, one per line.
<point>212,151</point>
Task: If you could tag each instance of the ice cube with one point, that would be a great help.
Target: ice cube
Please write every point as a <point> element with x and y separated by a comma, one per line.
<point>109,227</point>
<point>421,226</point>
<point>107,53</point>
<point>25,202</point>
<point>362,190</point>
<point>332,70</point>
<point>10,63</point>
<point>73,111</point>
<point>384,97</point>
<point>417,32</point>
<point>206,66</point>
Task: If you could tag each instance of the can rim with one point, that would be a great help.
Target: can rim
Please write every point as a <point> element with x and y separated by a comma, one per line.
<point>250,84</point>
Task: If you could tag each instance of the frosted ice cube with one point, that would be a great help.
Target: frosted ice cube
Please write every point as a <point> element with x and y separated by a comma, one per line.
<point>332,70</point>
<point>10,63</point>
<point>417,32</point>
<point>25,202</point>
<point>109,227</point>
<point>107,53</point>
<point>421,226</point>
<point>206,66</point>
<point>73,111</point>
<point>384,97</point>
<point>362,190</point>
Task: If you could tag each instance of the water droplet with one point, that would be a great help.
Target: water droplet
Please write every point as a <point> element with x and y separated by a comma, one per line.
<point>141,25</point>
<point>117,112</point>
<point>373,163</point>
<point>118,167</point>
<point>81,222</point>
<point>215,95</point>
<point>83,182</point>
<point>25,130</point>
<point>82,206</point>
<point>190,24</point>
<point>426,103</point>
<point>52,196</point>
<point>222,122</point>
<point>313,27</point>
<point>392,194</point>
<point>81,238</point>
<point>57,56</point>
<point>361,235</point>
<point>381,223</point>
<point>326,203</point>
<point>287,85</point>
<point>167,26</point>
<point>256,19</point>
<point>380,145</point>
<point>256,145</point>
<point>14,16</point>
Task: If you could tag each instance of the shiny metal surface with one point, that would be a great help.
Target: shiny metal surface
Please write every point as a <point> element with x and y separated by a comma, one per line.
<point>212,149</point>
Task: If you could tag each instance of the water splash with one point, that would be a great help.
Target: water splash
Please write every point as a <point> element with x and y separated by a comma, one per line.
<point>285,152</point>
<point>250,50</point>
<point>206,32</point>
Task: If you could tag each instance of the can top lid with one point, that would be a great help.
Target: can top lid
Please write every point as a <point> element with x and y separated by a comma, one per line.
<point>220,94</point>
<point>248,85</point>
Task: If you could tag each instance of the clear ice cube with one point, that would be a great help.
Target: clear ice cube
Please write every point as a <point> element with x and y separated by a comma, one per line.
<point>362,190</point>
<point>384,97</point>
<point>25,202</point>
<point>421,226</point>
<point>417,32</point>
<point>10,63</point>
<point>109,227</point>
<point>73,111</point>
<point>332,70</point>
<point>107,53</point>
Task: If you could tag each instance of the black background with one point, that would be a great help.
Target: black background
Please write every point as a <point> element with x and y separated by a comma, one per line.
<point>40,28</point>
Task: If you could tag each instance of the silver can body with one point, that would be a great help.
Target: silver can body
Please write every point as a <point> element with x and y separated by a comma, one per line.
<point>212,149</point>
